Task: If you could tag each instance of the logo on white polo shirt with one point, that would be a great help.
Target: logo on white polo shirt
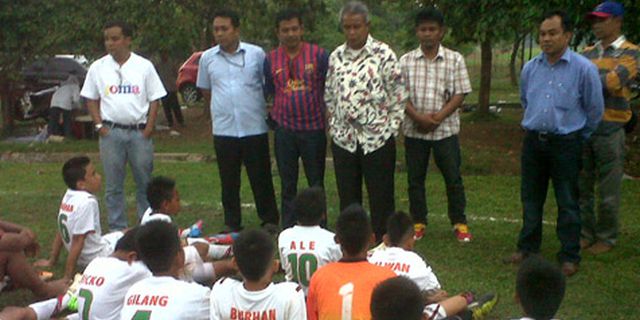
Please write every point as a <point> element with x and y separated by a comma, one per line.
<point>122,89</point>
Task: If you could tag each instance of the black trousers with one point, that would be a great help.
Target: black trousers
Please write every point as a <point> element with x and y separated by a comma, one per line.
<point>171,107</point>
<point>253,152</point>
<point>54,125</point>
<point>378,170</point>
<point>290,146</point>
<point>555,158</point>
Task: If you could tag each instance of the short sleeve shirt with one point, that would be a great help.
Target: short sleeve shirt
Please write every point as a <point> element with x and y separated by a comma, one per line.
<point>305,249</point>
<point>124,91</point>
<point>408,264</point>
<point>342,286</point>
<point>80,214</point>
<point>231,301</point>
<point>431,84</point>
<point>104,283</point>
<point>160,298</point>
<point>236,82</point>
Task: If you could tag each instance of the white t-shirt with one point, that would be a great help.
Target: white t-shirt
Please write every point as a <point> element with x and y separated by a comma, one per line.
<point>104,284</point>
<point>150,216</point>
<point>282,301</point>
<point>79,214</point>
<point>159,298</point>
<point>124,90</point>
<point>408,264</point>
<point>66,96</point>
<point>305,249</point>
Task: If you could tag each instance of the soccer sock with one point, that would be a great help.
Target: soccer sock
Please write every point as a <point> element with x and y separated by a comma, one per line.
<point>219,251</point>
<point>203,272</point>
<point>45,309</point>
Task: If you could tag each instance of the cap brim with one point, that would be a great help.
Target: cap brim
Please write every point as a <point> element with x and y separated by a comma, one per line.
<point>598,15</point>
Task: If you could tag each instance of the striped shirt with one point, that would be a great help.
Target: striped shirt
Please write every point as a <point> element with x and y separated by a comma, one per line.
<point>618,65</point>
<point>431,83</point>
<point>297,84</point>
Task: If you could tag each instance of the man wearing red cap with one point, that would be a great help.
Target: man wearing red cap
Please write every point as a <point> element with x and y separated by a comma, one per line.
<point>603,155</point>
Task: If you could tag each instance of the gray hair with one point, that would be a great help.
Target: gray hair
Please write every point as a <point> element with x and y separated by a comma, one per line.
<point>355,7</point>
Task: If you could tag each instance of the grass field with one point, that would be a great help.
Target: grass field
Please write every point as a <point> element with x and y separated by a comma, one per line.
<point>30,195</point>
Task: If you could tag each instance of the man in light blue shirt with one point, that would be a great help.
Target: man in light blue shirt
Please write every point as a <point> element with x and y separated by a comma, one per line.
<point>562,97</point>
<point>231,79</point>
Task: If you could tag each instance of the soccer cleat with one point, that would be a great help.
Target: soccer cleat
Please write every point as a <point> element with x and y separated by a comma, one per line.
<point>69,300</point>
<point>461,232</point>
<point>419,230</point>
<point>223,238</point>
<point>482,306</point>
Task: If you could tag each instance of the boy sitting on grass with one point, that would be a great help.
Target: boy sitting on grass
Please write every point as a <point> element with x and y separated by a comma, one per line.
<point>16,244</point>
<point>540,288</point>
<point>164,201</point>
<point>79,219</point>
<point>100,290</point>
<point>256,296</point>
<point>398,256</point>
<point>306,247</point>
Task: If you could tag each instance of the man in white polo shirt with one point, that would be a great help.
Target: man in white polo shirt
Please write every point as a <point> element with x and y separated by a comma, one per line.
<point>122,91</point>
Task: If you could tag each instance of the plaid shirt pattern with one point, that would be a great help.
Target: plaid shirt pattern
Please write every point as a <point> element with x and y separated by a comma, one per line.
<point>365,96</point>
<point>431,83</point>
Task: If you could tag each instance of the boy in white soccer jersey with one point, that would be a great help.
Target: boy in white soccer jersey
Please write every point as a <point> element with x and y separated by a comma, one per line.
<point>79,219</point>
<point>100,290</point>
<point>540,288</point>
<point>164,201</point>
<point>306,247</point>
<point>163,296</point>
<point>397,256</point>
<point>256,297</point>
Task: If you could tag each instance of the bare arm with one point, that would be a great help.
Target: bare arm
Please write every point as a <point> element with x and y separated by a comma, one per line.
<point>94,111</point>
<point>450,107</point>
<point>151,121</point>
<point>55,253</point>
<point>77,243</point>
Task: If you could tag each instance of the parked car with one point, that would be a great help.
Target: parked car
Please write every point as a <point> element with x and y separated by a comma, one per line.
<point>187,77</point>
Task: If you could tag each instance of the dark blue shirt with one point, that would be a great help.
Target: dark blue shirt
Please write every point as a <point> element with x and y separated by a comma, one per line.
<point>563,97</point>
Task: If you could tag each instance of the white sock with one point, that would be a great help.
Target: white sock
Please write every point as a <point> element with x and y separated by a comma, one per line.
<point>204,272</point>
<point>219,251</point>
<point>45,309</point>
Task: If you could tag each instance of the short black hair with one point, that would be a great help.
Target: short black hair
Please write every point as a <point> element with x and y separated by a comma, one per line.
<point>353,229</point>
<point>74,170</point>
<point>567,22</point>
<point>430,14</point>
<point>540,286</point>
<point>160,189</point>
<point>288,14</point>
<point>158,244</point>
<point>128,241</point>
<point>228,13</point>
<point>126,28</point>
<point>396,298</point>
<point>309,206</point>
<point>254,252</point>
<point>399,227</point>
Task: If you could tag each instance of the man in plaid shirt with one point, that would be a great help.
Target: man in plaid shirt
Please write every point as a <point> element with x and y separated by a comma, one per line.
<point>437,81</point>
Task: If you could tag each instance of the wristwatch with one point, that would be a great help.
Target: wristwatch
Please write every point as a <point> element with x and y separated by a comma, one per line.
<point>98,126</point>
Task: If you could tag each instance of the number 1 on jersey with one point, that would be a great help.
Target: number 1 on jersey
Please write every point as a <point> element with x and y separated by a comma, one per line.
<point>346,291</point>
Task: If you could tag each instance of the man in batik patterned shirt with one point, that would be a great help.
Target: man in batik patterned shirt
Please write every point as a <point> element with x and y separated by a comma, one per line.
<point>365,99</point>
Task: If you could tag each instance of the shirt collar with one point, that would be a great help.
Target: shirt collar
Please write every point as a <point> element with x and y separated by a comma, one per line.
<point>368,46</point>
<point>615,45</point>
<point>566,56</point>
<point>439,54</point>
<point>242,47</point>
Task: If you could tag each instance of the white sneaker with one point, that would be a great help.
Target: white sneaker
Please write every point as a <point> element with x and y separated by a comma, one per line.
<point>174,133</point>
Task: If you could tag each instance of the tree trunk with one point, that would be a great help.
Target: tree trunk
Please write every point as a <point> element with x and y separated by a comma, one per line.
<point>513,59</point>
<point>485,76</point>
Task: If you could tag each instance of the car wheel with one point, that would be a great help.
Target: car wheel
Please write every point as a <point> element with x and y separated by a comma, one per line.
<point>190,94</point>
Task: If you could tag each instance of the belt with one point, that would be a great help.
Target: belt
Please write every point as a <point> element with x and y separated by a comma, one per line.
<point>110,124</point>
<point>546,136</point>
